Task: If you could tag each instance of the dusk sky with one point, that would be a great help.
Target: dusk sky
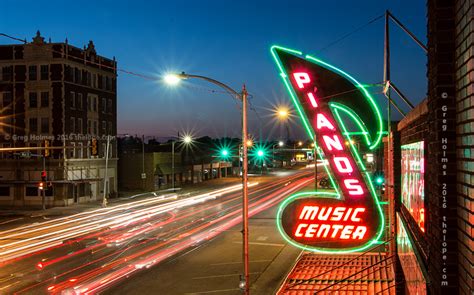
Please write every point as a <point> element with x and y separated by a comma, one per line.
<point>230,42</point>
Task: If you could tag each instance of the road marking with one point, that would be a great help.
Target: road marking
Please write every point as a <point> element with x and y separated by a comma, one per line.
<point>213,291</point>
<point>262,244</point>
<point>222,276</point>
<point>238,262</point>
<point>262,238</point>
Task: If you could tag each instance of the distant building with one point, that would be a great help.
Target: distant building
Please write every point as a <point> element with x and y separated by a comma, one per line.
<point>154,170</point>
<point>67,96</point>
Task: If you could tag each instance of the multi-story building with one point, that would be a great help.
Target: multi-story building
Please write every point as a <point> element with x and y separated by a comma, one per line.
<point>434,163</point>
<point>64,96</point>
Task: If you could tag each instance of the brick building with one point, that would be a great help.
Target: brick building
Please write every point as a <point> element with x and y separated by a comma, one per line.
<point>433,187</point>
<point>59,93</point>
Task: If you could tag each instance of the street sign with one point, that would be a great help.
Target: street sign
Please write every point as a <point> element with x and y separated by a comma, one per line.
<point>349,218</point>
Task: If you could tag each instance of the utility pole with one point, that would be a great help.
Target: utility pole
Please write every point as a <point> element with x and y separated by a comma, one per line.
<point>172,164</point>
<point>143,162</point>
<point>43,191</point>
<point>315,165</point>
<point>245,211</point>
<point>106,181</point>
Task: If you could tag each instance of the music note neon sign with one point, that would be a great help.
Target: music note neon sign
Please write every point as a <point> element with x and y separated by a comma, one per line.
<point>351,218</point>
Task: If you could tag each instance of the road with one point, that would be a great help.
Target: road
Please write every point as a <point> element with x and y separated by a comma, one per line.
<point>93,251</point>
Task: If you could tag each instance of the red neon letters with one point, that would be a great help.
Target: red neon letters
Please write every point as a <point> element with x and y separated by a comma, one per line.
<point>346,173</point>
<point>343,223</point>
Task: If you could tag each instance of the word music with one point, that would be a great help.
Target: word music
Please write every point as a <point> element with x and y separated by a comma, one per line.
<point>330,222</point>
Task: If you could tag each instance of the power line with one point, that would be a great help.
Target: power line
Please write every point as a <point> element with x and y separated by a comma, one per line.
<point>353,32</point>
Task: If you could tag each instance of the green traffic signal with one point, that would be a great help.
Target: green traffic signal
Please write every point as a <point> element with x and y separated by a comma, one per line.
<point>260,153</point>
<point>224,152</point>
<point>379,180</point>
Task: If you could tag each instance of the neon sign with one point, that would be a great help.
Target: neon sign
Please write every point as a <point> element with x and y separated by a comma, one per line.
<point>349,219</point>
<point>413,181</point>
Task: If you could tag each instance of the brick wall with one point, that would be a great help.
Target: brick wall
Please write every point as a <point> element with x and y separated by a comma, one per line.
<point>440,173</point>
<point>464,79</point>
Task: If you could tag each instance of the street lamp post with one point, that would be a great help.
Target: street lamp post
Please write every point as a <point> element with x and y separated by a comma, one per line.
<point>187,139</point>
<point>173,80</point>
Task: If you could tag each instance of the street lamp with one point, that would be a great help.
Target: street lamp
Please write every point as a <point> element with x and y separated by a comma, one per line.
<point>174,79</point>
<point>283,114</point>
<point>187,139</point>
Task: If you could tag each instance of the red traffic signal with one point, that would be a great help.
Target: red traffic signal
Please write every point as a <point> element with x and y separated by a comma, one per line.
<point>94,147</point>
<point>43,175</point>
<point>46,152</point>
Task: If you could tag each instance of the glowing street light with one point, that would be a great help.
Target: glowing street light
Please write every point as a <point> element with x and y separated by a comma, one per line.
<point>249,142</point>
<point>283,114</point>
<point>281,143</point>
<point>300,143</point>
<point>172,79</point>
<point>187,139</point>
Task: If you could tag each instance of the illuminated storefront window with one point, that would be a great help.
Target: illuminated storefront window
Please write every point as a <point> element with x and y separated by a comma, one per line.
<point>413,182</point>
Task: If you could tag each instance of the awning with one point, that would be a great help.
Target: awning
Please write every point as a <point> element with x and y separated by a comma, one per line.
<point>371,273</point>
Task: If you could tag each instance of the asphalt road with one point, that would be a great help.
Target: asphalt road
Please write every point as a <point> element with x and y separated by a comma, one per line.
<point>166,244</point>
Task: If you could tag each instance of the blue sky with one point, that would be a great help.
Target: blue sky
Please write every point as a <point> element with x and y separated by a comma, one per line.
<point>228,41</point>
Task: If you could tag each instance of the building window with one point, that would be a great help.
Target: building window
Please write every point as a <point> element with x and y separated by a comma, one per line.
<point>4,191</point>
<point>7,100</point>
<point>78,76</point>
<point>89,79</point>
<point>44,72</point>
<point>44,125</point>
<point>80,153</point>
<point>110,128</point>
<point>95,128</point>
<point>7,73</point>
<point>104,106</point>
<point>109,105</point>
<point>31,191</point>
<point>89,126</point>
<point>94,80</point>
<point>94,104</point>
<point>108,85</point>
<point>33,126</point>
<point>32,73</point>
<point>79,125</point>
<point>79,101</point>
<point>73,150</point>
<point>44,99</point>
<point>72,99</point>
<point>104,127</point>
<point>33,100</point>
<point>73,124</point>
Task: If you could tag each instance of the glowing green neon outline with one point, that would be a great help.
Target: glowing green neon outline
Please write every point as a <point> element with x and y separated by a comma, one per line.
<point>307,126</point>
<point>302,195</point>
<point>335,107</point>
<point>372,103</point>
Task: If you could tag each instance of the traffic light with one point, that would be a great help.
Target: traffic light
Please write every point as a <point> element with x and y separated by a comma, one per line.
<point>41,185</point>
<point>43,175</point>
<point>94,147</point>
<point>379,180</point>
<point>224,152</point>
<point>260,153</point>
<point>46,152</point>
